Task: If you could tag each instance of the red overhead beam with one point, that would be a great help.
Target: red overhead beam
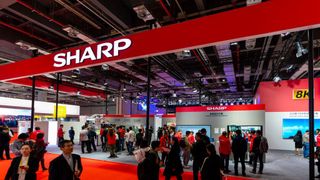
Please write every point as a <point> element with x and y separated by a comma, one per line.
<point>264,19</point>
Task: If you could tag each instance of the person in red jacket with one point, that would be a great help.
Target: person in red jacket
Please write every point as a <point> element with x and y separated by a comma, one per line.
<point>111,139</point>
<point>250,140</point>
<point>164,145</point>
<point>60,134</point>
<point>191,138</point>
<point>34,134</point>
<point>225,150</point>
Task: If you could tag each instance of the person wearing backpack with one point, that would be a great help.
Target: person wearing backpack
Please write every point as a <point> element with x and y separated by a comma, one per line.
<point>298,142</point>
<point>260,146</point>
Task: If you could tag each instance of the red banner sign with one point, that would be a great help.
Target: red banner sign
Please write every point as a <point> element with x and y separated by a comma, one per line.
<point>221,108</point>
<point>264,19</point>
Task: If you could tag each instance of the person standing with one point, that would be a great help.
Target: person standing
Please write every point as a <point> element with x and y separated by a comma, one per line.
<point>92,136</point>
<point>67,166</point>
<point>306,144</point>
<point>211,168</point>
<point>4,143</point>
<point>139,138</point>
<point>199,153</point>
<point>60,134</point>
<point>173,163</point>
<point>204,136</point>
<point>23,167</point>
<point>40,150</point>
<point>298,142</point>
<point>251,137</point>
<point>224,151</point>
<point>191,138</point>
<point>164,145</point>
<point>122,132</point>
<point>111,140</point>
<point>131,140</point>
<point>84,139</point>
<point>260,146</point>
<point>186,147</point>
<point>239,149</point>
<point>71,134</point>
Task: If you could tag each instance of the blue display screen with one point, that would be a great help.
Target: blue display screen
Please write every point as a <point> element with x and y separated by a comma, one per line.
<point>291,126</point>
<point>195,129</point>
<point>143,107</point>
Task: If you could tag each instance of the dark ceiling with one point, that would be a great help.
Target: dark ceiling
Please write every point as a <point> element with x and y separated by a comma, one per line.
<point>211,75</point>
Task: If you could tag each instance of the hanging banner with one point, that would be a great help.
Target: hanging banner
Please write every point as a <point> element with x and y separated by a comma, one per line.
<point>62,111</point>
<point>260,20</point>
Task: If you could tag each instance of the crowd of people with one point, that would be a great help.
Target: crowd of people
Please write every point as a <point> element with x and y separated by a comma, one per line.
<point>172,150</point>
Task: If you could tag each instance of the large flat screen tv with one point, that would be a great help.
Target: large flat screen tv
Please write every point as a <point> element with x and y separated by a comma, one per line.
<point>291,126</point>
<point>193,128</point>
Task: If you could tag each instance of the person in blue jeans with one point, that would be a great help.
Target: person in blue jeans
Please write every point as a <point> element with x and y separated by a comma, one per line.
<point>306,144</point>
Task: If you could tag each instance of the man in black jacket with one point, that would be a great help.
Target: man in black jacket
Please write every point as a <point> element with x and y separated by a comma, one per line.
<point>66,166</point>
<point>4,142</point>
<point>199,153</point>
<point>257,153</point>
<point>239,149</point>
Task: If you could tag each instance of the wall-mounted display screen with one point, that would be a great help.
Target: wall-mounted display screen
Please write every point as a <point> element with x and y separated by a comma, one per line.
<point>291,126</point>
<point>193,128</point>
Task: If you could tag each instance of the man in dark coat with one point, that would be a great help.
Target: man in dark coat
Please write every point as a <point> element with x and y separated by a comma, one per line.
<point>24,165</point>
<point>239,149</point>
<point>66,166</point>
<point>4,143</point>
<point>199,153</point>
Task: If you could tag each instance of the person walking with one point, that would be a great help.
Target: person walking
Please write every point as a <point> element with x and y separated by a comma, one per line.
<point>211,168</point>
<point>4,143</point>
<point>297,142</point>
<point>71,134</point>
<point>173,163</point>
<point>84,139</point>
<point>224,151</point>
<point>122,132</point>
<point>40,150</point>
<point>111,137</point>
<point>260,146</point>
<point>199,153</point>
<point>306,144</point>
<point>139,138</point>
<point>23,167</point>
<point>239,149</point>
<point>67,166</point>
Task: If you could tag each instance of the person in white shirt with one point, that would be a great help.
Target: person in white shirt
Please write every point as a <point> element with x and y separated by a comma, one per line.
<point>131,139</point>
<point>84,139</point>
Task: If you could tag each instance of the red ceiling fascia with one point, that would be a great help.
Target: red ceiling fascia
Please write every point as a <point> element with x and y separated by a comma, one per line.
<point>40,84</point>
<point>264,19</point>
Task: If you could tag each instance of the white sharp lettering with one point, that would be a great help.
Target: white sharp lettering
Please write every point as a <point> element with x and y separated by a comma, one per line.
<point>87,54</point>
<point>59,60</point>
<point>75,57</point>
<point>117,47</point>
<point>105,52</point>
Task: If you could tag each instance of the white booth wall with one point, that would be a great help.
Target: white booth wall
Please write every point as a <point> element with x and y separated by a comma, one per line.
<point>220,119</point>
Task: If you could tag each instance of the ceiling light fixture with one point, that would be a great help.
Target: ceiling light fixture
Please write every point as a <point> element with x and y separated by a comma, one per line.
<point>300,50</point>
<point>31,47</point>
<point>75,33</point>
<point>276,79</point>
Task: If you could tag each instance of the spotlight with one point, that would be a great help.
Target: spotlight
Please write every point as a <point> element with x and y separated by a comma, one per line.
<point>113,99</point>
<point>234,43</point>
<point>180,101</point>
<point>195,91</point>
<point>276,79</point>
<point>50,87</point>
<point>78,93</point>
<point>300,50</point>
<point>105,67</point>
<point>174,94</point>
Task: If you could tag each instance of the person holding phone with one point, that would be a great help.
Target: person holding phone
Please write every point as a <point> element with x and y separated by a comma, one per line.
<point>23,167</point>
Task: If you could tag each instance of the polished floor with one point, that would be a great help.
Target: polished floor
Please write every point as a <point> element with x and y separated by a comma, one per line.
<point>280,165</point>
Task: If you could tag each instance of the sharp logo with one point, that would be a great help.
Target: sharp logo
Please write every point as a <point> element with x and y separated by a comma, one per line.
<point>103,50</point>
<point>220,108</point>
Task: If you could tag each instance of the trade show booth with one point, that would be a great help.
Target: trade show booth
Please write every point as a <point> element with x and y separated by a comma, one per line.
<point>287,110</point>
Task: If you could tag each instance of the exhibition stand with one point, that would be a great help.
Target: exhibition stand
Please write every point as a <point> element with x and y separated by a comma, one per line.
<point>287,110</point>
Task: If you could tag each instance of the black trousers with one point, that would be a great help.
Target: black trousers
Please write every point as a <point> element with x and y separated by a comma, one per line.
<point>163,156</point>
<point>179,177</point>
<point>196,168</point>
<point>258,156</point>
<point>91,142</point>
<point>87,144</point>
<point>225,161</point>
<point>6,149</point>
<point>236,160</point>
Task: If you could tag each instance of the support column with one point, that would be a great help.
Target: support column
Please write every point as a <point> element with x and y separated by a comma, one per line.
<point>32,101</point>
<point>57,94</point>
<point>311,104</point>
<point>148,100</point>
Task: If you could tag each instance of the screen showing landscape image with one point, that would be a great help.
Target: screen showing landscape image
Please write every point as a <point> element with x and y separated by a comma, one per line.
<point>195,129</point>
<point>291,126</point>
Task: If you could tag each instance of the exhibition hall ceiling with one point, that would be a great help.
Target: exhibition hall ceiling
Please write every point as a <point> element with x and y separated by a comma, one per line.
<point>226,73</point>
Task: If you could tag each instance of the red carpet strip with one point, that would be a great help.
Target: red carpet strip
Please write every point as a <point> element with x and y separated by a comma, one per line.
<point>99,169</point>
